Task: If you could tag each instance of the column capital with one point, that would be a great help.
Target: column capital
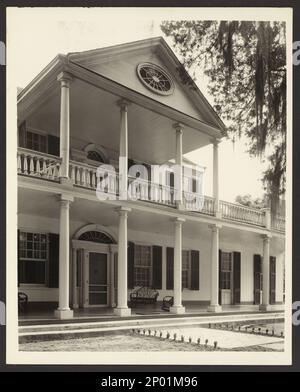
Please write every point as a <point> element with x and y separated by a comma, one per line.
<point>178,220</point>
<point>65,79</point>
<point>123,104</point>
<point>122,211</point>
<point>178,127</point>
<point>215,142</point>
<point>266,237</point>
<point>66,198</point>
<point>215,227</point>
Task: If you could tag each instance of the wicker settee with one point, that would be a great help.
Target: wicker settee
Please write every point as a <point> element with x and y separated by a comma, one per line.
<point>143,295</point>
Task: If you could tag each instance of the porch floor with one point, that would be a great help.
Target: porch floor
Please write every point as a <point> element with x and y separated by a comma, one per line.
<point>145,312</point>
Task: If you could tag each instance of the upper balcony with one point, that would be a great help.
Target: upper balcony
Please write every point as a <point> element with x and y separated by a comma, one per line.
<point>47,167</point>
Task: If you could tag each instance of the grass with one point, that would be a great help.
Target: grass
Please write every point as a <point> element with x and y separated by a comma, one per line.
<point>124,343</point>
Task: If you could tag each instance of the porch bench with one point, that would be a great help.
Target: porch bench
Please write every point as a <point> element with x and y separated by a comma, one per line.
<point>143,295</point>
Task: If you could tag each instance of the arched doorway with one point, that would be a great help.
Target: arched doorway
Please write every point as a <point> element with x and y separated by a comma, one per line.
<point>94,251</point>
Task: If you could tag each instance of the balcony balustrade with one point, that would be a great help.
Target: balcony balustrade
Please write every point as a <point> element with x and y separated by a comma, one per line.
<point>45,166</point>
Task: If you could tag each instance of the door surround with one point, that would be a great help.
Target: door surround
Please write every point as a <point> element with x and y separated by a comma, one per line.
<point>80,290</point>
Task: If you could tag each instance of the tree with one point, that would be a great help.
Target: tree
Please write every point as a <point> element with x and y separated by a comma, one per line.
<point>245,63</point>
<point>248,201</point>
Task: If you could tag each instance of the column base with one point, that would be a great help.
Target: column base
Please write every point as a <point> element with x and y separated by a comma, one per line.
<point>218,215</point>
<point>63,314</point>
<point>177,309</point>
<point>66,181</point>
<point>265,308</point>
<point>214,309</point>
<point>180,206</point>
<point>122,312</point>
<point>75,306</point>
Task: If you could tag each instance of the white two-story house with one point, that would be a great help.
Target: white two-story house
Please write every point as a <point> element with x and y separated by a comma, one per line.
<point>131,103</point>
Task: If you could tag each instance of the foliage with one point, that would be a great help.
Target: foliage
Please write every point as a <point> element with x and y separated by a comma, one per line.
<point>245,63</point>
<point>248,201</point>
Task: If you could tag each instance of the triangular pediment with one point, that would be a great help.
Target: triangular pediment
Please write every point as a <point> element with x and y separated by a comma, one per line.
<point>125,65</point>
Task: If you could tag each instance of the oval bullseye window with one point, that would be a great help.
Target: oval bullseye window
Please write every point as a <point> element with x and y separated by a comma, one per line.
<point>155,78</point>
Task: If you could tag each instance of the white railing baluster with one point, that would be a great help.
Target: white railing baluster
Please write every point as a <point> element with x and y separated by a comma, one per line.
<point>31,165</point>
<point>25,164</point>
<point>19,163</point>
<point>38,167</point>
<point>44,169</point>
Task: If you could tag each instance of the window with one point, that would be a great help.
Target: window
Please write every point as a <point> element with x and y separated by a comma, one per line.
<point>96,236</point>
<point>95,156</point>
<point>33,254</point>
<point>226,271</point>
<point>31,139</point>
<point>155,78</point>
<point>186,269</point>
<point>142,266</point>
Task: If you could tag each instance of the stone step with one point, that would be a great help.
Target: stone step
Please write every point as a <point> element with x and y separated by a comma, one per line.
<point>85,329</point>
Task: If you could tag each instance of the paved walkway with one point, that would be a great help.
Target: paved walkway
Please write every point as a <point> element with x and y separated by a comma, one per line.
<point>225,339</point>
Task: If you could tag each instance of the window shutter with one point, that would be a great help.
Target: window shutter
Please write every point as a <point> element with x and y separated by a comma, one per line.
<point>170,268</point>
<point>130,265</point>
<point>195,261</point>
<point>53,145</point>
<point>157,267</point>
<point>236,278</point>
<point>22,132</point>
<point>220,274</point>
<point>53,277</point>
<point>272,280</point>
<point>257,273</point>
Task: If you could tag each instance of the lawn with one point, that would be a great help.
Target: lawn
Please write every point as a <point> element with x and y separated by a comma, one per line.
<point>123,343</point>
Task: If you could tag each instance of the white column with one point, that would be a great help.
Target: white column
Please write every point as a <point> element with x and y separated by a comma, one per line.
<point>63,311</point>
<point>214,285</point>
<point>216,176</point>
<point>123,157</point>
<point>122,307</point>
<point>265,306</point>
<point>74,280</point>
<point>65,79</point>
<point>177,307</point>
<point>267,212</point>
<point>178,160</point>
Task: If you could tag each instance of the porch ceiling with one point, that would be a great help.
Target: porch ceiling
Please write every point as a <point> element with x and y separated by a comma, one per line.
<point>94,118</point>
<point>43,204</point>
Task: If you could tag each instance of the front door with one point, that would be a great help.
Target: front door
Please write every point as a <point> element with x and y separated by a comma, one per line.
<point>98,279</point>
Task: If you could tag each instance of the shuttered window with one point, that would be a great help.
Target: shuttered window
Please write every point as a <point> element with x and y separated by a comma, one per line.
<point>33,255</point>
<point>31,139</point>
<point>190,269</point>
<point>142,265</point>
<point>186,269</point>
<point>226,271</point>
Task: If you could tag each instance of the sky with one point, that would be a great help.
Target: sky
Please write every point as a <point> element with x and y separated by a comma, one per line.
<point>39,34</point>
